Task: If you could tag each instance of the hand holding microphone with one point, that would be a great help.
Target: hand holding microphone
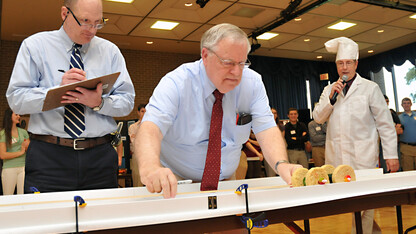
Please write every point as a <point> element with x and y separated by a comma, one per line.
<point>334,97</point>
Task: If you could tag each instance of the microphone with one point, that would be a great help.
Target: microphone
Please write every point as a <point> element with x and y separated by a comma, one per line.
<point>334,97</point>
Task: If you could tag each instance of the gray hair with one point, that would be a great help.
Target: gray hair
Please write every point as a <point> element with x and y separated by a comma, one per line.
<point>215,34</point>
<point>69,3</point>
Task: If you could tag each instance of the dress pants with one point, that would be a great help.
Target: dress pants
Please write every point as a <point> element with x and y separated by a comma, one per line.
<point>53,168</point>
<point>298,156</point>
<point>318,155</point>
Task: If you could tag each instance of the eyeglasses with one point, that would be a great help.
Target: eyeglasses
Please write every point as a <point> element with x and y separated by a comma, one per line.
<point>86,25</point>
<point>228,63</point>
<point>348,63</point>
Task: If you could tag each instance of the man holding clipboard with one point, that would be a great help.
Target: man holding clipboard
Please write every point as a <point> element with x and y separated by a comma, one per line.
<point>70,145</point>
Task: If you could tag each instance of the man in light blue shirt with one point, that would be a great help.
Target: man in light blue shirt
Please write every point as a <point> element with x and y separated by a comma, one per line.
<point>172,140</point>
<point>55,161</point>
<point>408,138</point>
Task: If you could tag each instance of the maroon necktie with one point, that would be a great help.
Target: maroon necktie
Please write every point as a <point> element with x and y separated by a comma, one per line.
<point>213,162</point>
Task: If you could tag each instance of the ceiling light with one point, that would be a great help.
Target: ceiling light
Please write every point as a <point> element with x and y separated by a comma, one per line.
<point>413,16</point>
<point>341,25</point>
<point>123,1</point>
<point>188,4</point>
<point>267,36</point>
<point>149,42</point>
<point>319,56</point>
<point>164,25</point>
<point>380,31</point>
<point>306,40</point>
<point>371,51</point>
<point>298,19</point>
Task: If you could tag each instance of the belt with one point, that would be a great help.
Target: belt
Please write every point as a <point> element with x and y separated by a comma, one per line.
<point>77,144</point>
<point>412,144</point>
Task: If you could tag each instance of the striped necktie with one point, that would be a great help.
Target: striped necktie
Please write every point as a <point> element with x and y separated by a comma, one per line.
<point>74,118</point>
<point>212,168</point>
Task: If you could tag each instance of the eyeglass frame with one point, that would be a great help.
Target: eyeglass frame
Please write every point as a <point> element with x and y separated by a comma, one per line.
<point>96,26</point>
<point>228,63</point>
<point>347,63</point>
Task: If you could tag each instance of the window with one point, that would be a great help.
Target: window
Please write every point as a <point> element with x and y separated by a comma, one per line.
<point>308,98</point>
<point>404,81</point>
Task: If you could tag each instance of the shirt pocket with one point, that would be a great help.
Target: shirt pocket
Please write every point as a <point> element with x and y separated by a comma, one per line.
<point>241,133</point>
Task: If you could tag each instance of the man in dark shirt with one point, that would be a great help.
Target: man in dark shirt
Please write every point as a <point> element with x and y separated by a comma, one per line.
<point>296,135</point>
<point>399,131</point>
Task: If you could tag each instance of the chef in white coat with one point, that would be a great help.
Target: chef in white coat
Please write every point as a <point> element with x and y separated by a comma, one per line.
<point>357,115</point>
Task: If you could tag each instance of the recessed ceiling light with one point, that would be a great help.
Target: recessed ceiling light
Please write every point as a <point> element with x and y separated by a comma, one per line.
<point>413,16</point>
<point>380,31</point>
<point>149,42</point>
<point>371,51</point>
<point>306,40</point>
<point>188,4</point>
<point>267,36</point>
<point>298,19</point>
<point>164,25</point>
<point>341,25</point>
<point>319,56</point>
<point>123,1</point>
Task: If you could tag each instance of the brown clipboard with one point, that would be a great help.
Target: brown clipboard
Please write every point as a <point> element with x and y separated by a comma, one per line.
<point>54,96</point>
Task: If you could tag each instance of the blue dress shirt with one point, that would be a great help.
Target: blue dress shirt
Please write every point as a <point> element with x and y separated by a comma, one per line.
<point>36,71</point>
<point>181,107</point>
<point>409,124</point>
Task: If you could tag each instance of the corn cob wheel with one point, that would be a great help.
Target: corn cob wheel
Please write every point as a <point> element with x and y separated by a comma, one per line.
<point>343,173</point>
<point>316,175</point>
<point>298,177</point>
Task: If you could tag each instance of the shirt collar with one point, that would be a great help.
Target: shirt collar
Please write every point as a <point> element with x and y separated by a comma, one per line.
<point>208,86</point>
<point>68,43</point>
<point>349,83</point>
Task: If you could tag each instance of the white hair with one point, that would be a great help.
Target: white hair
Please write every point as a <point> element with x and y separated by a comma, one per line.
<point>215,34</point>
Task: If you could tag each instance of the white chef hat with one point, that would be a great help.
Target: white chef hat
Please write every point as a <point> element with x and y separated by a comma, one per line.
<point>344,47</point>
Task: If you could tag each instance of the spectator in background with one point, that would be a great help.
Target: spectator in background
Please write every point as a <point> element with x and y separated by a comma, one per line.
<point>396,119</point>
<point>269,170</point>
<point>317,135</point>
<point>254,157</point>
<point>408,138</point>
<point>296,135</point>
<point>277,119</point>
<point>399,131</point>
<point>13,145</point>
<point>141,109</point>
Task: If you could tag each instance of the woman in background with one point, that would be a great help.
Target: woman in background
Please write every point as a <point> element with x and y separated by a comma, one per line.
<point>278,123</point>
<point>269,170</point>
<point>13,145</point>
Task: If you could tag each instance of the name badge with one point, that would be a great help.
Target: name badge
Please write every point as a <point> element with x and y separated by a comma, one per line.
<point>293,132</point>
<point>318,128</point>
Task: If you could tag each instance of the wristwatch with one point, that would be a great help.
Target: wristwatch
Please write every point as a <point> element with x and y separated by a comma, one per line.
<point>97,108</point>
<point>277,164</point>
